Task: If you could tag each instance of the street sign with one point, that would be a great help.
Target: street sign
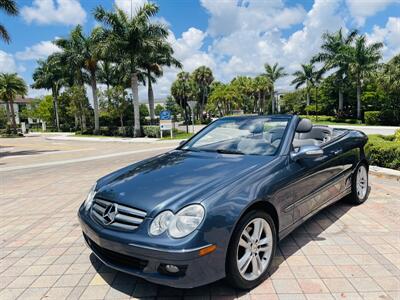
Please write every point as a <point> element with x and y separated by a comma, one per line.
<point>165,115</point>
<point>165,121</point>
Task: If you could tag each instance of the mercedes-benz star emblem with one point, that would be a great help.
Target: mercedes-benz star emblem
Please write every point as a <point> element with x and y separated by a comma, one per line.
<point>109,214</point>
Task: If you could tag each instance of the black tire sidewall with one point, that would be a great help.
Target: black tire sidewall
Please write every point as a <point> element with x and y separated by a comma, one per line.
<point>233,274</point>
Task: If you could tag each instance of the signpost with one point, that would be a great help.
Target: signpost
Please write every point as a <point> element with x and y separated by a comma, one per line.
<point>192,105</point>
<point>165,122</point>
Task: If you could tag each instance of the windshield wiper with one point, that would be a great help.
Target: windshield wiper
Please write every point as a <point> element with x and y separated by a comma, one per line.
<point>226,151</point>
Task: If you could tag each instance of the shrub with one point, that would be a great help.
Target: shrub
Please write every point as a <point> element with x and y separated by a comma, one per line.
<point>383,151</point>
<point>372,117</point>
<point>397,135</point>
<point>151,131</point>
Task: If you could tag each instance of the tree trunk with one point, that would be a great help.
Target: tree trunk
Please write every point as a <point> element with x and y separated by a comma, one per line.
<point>186,118</point>
<point>82,117</point>
<point>358,99</point>
<point>55,103</point>
<point>340,101</point>
<point>135,102</point>
<point>121,120</point>
<point>316,104</point>
<point>8,111</point>
<point>76,119</point>
<point>150,95</point>
<point>95,102</point>
<point>13,122</point>
<point>263,103</point>
<point>259,103</point>
<point>273,101</point>
<point>201,106</point>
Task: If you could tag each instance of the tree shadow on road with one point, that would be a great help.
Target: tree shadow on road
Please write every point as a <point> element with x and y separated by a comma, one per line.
<point>24,152</point>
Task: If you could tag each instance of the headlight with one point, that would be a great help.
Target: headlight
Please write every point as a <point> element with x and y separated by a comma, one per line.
<point>161,222</point>
<point>179,225</point>
<point>89,199</point>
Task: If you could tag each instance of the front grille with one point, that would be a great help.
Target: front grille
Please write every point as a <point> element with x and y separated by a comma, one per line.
<point>117,259</point>
<point>126,218</point>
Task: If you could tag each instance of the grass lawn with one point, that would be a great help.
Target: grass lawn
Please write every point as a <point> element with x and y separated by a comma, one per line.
<point>178,136</point>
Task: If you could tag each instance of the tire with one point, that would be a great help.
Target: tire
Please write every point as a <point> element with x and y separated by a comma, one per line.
<point>262,259</point>
<point>359,185</point>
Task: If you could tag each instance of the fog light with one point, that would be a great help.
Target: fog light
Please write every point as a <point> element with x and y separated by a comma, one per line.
<point>172,268</point>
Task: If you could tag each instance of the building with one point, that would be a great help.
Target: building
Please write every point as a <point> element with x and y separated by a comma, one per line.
<point>19,104</point>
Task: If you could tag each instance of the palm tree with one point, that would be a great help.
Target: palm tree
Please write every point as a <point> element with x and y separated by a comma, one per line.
<point>131,39</point>
<point>10,8</point>
<point>12,85</point>
<point>364,60</point>
<point>334,55</point>
<point>160,55</point>
<point>203,76</point>
<point>306,76</point>
<point>263,86</point>
<point>183,89</point>
<point>50,75</point>
<point>84,52</point>
<point>273,73</point>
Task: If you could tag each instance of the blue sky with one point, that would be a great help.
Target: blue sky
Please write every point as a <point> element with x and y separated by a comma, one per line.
<point>231,37</point>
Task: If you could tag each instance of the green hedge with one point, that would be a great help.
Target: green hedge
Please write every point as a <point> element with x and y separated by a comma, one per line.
<point>372,117</point>
<point>151,131</point>
<point>384,151</point>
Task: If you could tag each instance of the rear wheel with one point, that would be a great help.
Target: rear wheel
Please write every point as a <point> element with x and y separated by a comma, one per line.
<point>251,250</point>
<point>359,188</point>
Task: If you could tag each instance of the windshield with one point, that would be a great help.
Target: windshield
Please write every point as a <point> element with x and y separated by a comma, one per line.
<point>250,136</point>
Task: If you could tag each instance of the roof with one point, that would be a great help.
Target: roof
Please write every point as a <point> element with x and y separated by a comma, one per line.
<point>21,100</point>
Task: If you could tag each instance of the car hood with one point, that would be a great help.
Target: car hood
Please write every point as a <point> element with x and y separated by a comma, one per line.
<point>176,178</point>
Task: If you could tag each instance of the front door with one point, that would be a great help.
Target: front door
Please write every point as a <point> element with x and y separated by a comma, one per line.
<point>316,180</point>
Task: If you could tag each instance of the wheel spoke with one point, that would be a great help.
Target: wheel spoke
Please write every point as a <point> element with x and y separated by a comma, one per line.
<point>256,265</point>
<point>244,262</point>
<point>263,241</point>
<point>257,230</point>
<point>244,243</point>
<point>263,249</point>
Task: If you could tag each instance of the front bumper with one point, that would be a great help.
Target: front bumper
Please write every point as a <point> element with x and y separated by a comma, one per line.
<point>148,261</point>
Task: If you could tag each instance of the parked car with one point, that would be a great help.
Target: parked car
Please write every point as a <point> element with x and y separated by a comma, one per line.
<point>218,205</point>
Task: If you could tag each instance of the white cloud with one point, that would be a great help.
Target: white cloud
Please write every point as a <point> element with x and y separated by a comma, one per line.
<point>227,17</point>
<point>362,9</point>
<point>37,93</point>
<point>389,35</point>
<point>37,51</point>
<point>68,12</point>
<point>129,6</point>
<point>7,63</point>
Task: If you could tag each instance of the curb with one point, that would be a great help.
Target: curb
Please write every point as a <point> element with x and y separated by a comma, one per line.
<point>384,172</point>
<point>115,140</point>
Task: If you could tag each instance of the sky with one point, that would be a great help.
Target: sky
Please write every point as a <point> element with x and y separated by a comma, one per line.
<point>232,37</point>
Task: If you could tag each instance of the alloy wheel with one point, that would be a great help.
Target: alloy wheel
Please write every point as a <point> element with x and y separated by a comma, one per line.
<point>362,182</point>
<point>254,250</point>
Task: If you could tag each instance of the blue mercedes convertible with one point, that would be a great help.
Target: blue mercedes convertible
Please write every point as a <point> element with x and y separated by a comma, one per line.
<point>217,205</point>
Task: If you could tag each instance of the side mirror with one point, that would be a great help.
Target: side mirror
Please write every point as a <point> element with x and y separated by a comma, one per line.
<point>182,142</point>
<point>309,151</point>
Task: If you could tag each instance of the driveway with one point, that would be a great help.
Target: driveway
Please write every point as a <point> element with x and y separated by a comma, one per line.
<point>344,252</point>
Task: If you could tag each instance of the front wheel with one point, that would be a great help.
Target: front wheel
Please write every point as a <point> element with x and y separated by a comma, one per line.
<point>251,250</point>
<point>359,188</point>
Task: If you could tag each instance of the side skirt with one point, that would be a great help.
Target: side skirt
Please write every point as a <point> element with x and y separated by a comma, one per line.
<point>285,232</point>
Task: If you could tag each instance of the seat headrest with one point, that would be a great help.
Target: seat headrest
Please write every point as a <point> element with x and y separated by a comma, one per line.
<point>304,125</point>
